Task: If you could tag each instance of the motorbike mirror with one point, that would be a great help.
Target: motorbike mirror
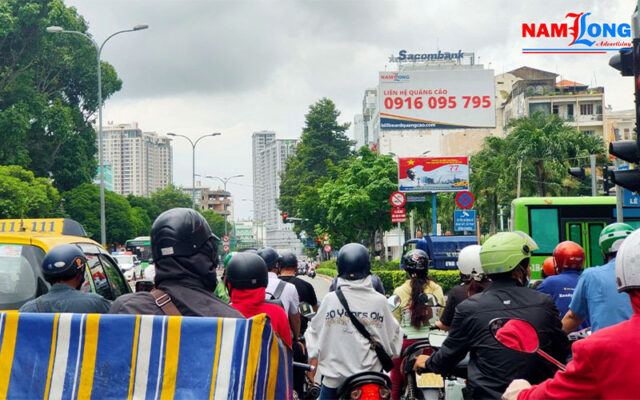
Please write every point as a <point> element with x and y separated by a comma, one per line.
<point>144,286</point>
<point>429,300</point>
<point>306,310</point>
<point>519,335</point>
<point>394,302</point>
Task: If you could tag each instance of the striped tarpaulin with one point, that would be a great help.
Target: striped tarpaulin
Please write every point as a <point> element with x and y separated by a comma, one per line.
<point>83,356</point>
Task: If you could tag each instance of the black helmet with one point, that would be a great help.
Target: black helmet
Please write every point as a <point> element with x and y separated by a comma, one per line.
<point>416,261</point>
<point>270,256</point>
<point>288,260</point>
<point>353,262</point>
<point>179,232</point>
<point>63,262</point>
<point>246,271</point>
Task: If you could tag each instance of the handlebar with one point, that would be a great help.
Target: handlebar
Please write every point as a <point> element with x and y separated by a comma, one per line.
<point>306,367</point>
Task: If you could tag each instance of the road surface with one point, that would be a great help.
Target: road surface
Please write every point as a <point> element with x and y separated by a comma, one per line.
<point>320,285</point>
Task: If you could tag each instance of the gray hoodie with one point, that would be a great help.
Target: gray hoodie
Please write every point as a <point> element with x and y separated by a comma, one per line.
<point>340,349</point>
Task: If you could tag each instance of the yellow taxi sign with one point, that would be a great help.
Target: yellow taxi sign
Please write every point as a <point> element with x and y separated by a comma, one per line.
<point>60,226</point>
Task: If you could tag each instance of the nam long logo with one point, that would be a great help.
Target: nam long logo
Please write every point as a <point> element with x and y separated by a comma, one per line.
<point>583,35</point>
<point>393,77</point>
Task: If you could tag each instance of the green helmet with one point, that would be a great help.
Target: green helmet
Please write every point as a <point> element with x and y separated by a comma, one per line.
<point>612,237</point>
<point>228,257</point>
<point>503,251</point>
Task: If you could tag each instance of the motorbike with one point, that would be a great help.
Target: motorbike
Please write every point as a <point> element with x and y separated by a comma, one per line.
<point>366,385</point>
<point>311,390</point>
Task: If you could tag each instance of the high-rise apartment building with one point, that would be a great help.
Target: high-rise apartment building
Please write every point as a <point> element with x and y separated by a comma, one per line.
<point>142,162</point>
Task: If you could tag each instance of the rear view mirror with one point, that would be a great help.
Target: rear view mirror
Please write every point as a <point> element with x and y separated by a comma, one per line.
<point>144,286</point>
<point>306,310</point>
<point>429,300</point>
<point>394,302</point>
<point>519,335</point>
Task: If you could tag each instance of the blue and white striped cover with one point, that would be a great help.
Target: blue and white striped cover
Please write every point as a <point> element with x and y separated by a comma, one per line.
<point>83,356</point>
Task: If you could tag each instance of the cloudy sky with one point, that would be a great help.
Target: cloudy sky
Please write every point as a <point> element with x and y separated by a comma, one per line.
<point>242,66</point>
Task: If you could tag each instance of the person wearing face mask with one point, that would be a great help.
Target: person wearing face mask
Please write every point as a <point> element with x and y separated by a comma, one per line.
<point>185,252</point>
<point>64,268</point>
<point>505,259</point>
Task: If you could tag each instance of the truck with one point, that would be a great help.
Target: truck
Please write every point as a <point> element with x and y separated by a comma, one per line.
<point>442,250</point>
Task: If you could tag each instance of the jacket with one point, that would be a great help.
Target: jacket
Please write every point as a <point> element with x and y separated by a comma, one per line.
<point>250,302</point>
<point>605,365</point>
<point>492,366</point>
<point>561,288</point>
<point>64,298</point>
<point>403,313</point>
<point>340,349</point>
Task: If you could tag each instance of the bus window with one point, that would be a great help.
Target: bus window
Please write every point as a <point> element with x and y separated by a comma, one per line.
<point>574,233</point>
<point>544,229</point>
<point>594,246</point>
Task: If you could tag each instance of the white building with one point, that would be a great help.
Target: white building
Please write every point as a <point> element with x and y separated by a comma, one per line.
<point>142,162</point>
<point>269,160</point>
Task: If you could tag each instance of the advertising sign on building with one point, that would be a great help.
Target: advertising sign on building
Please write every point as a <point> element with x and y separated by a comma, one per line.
<point>433,174</point>
<point>437,99</point>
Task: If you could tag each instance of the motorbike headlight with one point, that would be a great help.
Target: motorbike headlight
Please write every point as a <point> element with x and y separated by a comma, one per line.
<point>356,394</point>
<point>384,393</point>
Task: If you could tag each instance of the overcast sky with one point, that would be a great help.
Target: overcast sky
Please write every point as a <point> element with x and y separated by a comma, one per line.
<point>238,66</point>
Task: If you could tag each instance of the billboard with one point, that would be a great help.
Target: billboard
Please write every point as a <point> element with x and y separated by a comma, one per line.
<point>433,174</point>
<point>437,99</point>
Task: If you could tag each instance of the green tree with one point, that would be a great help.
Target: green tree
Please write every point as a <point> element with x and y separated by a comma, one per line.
<point>216,222</point>
<point>22,195</point>
<point>170,197</point>
<point>146,204</point>
<point>48,95</point>
<point>322,145</point>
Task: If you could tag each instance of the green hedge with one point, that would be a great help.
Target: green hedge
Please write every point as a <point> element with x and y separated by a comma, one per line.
<point>326,271</point>
<point>331,264</point>
<point>376,265</point>
<point>393,279</point>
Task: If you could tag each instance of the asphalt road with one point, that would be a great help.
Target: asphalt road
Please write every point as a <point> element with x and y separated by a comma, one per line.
<point>320,284</point>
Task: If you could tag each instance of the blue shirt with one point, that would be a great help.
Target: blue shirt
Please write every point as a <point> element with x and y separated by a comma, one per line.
<point>597,297</point>
<point>64,298</point>
<point>561,288</point>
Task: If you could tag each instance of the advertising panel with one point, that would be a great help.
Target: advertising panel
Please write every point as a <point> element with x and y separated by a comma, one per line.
<point>437,99</point>
<point>433,174</point>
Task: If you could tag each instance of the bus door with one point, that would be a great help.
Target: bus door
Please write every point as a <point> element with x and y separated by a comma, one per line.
<point>586,234</point>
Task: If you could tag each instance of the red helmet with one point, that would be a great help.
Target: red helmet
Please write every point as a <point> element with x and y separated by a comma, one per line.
<point>570,255</point>
<point>548,267</point>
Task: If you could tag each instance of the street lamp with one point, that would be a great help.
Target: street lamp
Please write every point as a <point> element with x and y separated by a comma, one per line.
<point>58,29</point>
<point>193,160</point>
<point>224,182</point>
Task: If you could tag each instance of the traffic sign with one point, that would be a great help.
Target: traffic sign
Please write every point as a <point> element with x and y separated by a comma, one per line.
<point>398,215</point>
<point>416,199</point>
<point>630,199</point>
<point>226,248</point>
<point>464,200</point>
<point>464,220</point>
<point>325,236</point>
<point>226,239</point>
<point>327,248</point>
<point>397,199</point>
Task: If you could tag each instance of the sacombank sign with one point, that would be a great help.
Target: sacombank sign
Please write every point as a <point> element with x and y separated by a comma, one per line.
<point>404,56</point>
<point>597,38</point>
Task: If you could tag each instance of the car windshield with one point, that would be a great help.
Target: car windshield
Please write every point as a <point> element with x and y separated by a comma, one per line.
<point>18,266</point>
<point>125,259</point>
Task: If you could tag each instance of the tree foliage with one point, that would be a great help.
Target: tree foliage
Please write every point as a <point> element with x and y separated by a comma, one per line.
<point>216,222</point>
<point>48,92</point>
<point>22,195</point>
<point>323,144</point>
<point>170,197</point>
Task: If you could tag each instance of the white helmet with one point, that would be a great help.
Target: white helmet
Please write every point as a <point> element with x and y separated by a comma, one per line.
<point>628,263</point>
<point>469,260</point>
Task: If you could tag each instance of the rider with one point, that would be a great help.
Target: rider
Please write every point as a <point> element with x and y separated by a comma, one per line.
<point>221,289</point>
<point>569,260</point>
<point>332,340</point>
<point>64,268</point>
<point>596,296</point>
<point>185,253</point>
<point>605,364</point>
<point>413,315</point>
<point>505,258</point>
<point>246,279</point>
<point>473,280</point>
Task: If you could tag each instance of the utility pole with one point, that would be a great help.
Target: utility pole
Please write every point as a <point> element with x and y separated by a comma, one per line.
<point>592,159</point>
<point>519,176</point>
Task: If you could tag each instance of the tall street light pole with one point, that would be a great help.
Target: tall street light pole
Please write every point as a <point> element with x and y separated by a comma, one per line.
<point>224,182</point>
<point>193,161</point>
<point>58,29</point>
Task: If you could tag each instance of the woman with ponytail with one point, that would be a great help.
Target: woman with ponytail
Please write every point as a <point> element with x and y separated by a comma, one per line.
<point>414,316</point>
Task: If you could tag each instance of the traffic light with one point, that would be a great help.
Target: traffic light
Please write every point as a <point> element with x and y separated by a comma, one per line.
<point>284,218</point>
<point>319,242</point>
<point>623,62</point>
<point>607,179</point>
<point>578,172</point>
<point>628,179</point>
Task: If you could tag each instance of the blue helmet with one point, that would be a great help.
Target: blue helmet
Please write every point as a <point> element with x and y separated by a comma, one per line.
<point>63,262</point>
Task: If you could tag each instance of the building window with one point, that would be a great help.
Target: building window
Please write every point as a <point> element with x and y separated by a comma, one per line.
<point>627,136</point>
<point>590,133</point>
<point>586,109</point>
<point>570,110</point>
<point>555,109</point>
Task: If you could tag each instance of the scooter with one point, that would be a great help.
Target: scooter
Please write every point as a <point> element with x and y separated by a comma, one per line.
<point>311,390</point>
<point>366,385</point>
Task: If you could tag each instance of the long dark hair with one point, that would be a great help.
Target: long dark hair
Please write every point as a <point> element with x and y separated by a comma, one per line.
<point>476,287</point>
<point>420,313</point>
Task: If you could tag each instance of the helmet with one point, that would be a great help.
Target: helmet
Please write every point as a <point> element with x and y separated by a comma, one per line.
<point>353,262</point>
<point>246,271</point>
<point>568,255</point>
<point>469,260</point>
<point>288,260</point>
<point>612,236</point>
<point>63,262</point>
<point>227,258</point>
<point>416,260</point>
<point>503,251</point>
<point>270,256</point>
<point>549,266</point>
<point>179,232</point>
<point>628,263</point>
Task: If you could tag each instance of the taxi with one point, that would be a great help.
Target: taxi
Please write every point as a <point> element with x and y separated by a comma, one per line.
<point>23,245</point>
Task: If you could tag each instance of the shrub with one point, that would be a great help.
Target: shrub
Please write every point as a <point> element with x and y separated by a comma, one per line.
<point>327,271</point>
<point>331,264</point>
<point>393,279</point>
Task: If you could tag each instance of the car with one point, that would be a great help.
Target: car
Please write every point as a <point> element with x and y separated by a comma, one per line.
<point>23,245</point>
<point>130,265</point>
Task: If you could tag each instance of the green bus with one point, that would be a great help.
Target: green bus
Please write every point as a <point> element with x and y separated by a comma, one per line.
<point>551,220</point>
<point>141,247</point>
